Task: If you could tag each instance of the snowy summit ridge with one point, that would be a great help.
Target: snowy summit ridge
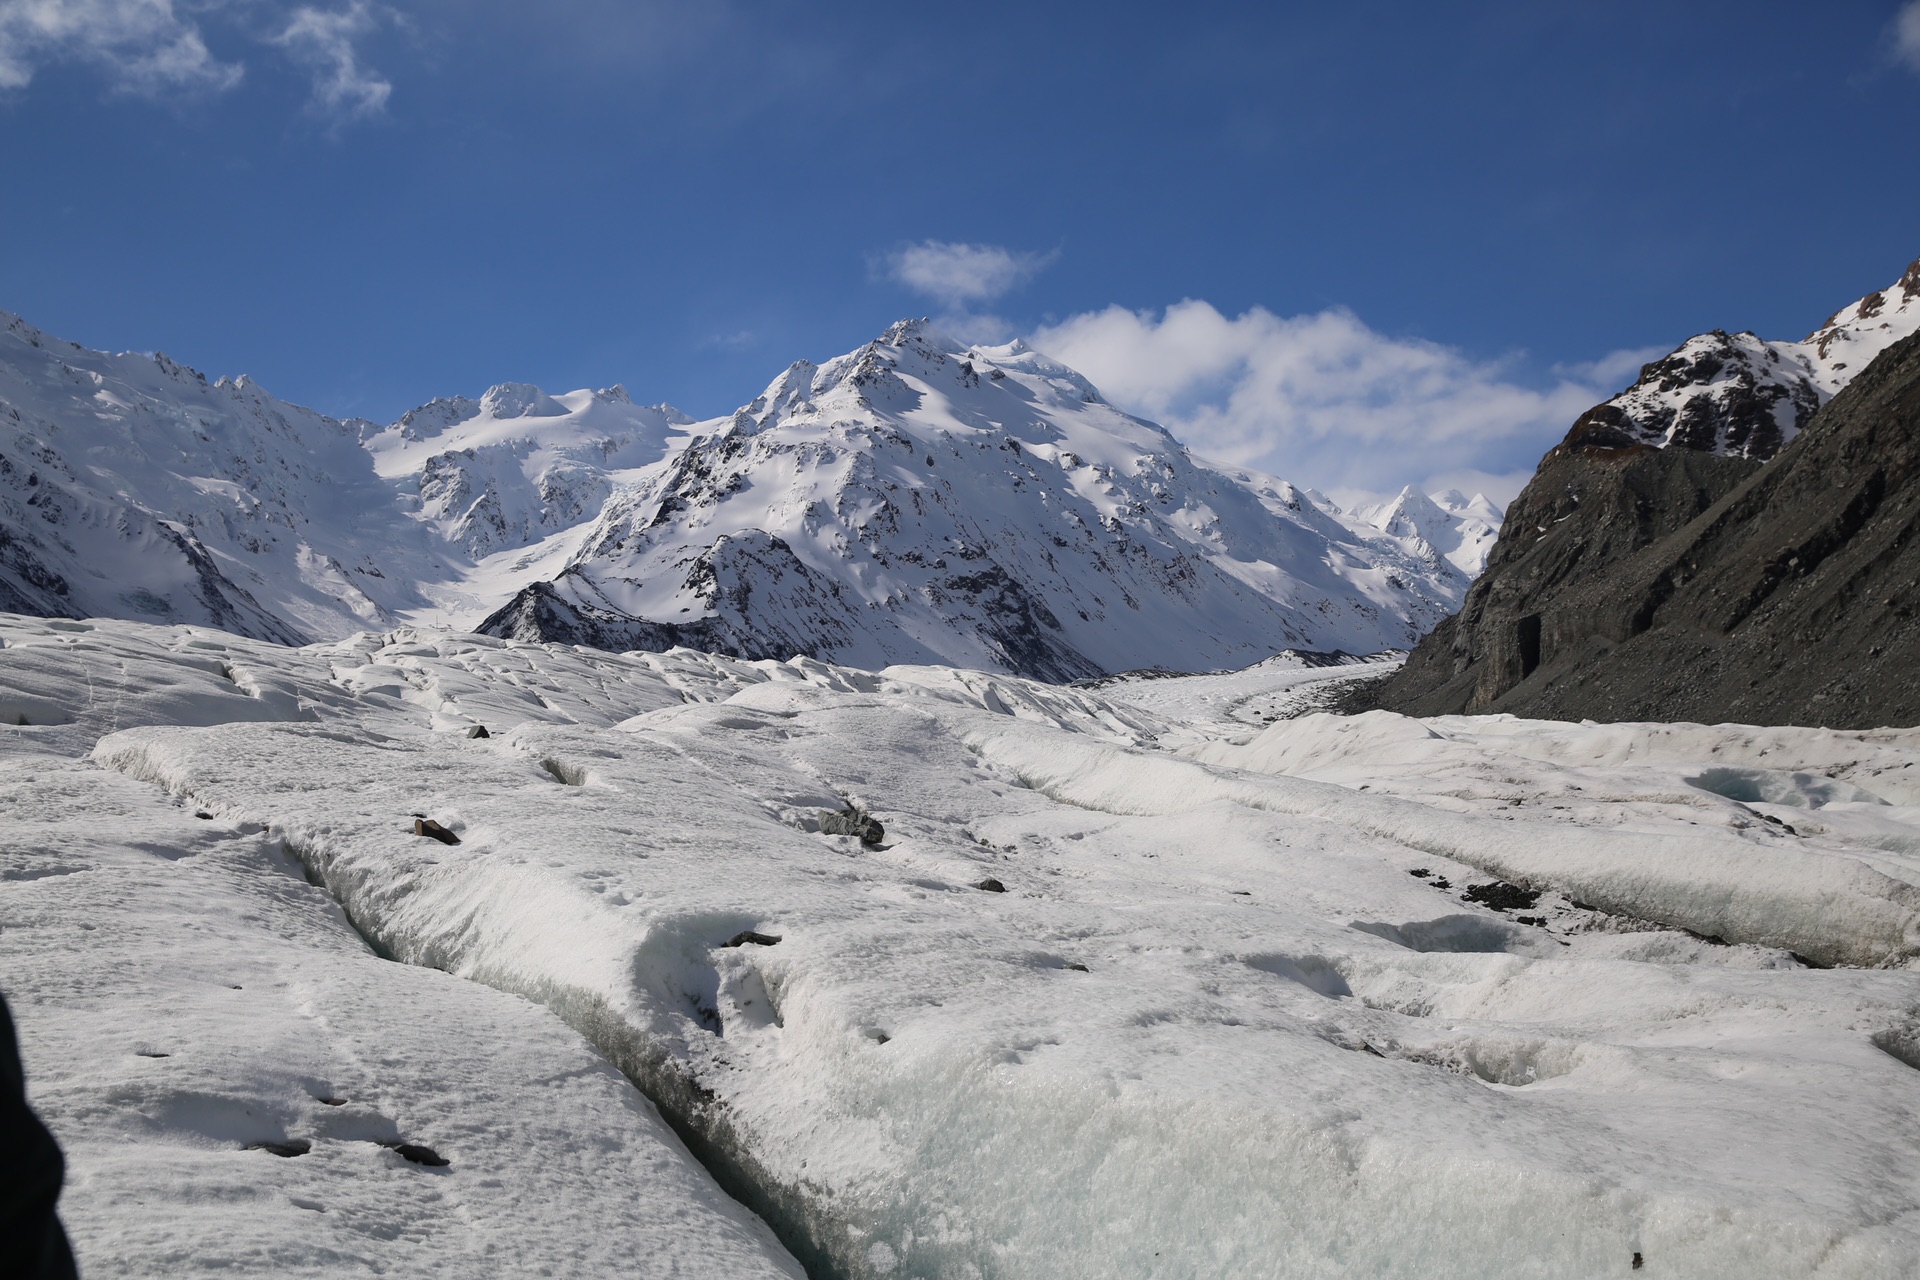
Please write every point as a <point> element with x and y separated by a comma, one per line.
<point>915,500</point>
<point>1743,396</point>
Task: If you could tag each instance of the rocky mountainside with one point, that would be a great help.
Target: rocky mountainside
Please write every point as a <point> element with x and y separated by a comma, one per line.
<point>1653,579</point>
<point>916,500</point>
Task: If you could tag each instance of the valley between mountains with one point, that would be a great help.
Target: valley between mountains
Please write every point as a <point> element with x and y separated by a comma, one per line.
<point>899,830</point>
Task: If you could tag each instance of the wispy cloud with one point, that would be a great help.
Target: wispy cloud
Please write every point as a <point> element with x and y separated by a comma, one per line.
<point>1324,399</point>
<point>959,276</point>
<point>144,47</point>
<point>1906,34</point>
<point>343,90</point>
<point>158,48</point>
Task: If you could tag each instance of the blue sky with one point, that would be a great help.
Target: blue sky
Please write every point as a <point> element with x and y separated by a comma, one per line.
<point>1358,245</point>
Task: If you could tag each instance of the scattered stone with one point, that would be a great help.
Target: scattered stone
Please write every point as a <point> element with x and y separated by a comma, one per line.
<point>333,1102</point>
<point>1441,882</point>
<point>418,1154</point>
<point>478,731</point>
<point>285,1150</point>
<point>1079,968</point>
<point>152,1053</point>
<point>1502,896</point>
<point>1420,873</point>
<point>746,936</point>
<point>1638,1262</point>
<point>428,827</point>
<point>853,822</point>
<point>991,885</point>
<point>1538,922</point>
<point>1241,893</point>
<point>203,815</point>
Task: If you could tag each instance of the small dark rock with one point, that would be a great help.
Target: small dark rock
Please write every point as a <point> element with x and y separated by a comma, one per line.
<point>1079,968</point>
<point>991,885</point>
<point>152,1053</point>
<point>853,822</point>
<point>1241,893</point>
<point>746,936</point>
<point>285,1150</point>
<point>1638,1262</point>
<point>1502,896</point>
<point>428,827</point>
<point>333,1102</point>
<point>1441,882</point>
<point>418,1154</point>
<point>478,731</point>
<point>203,815</point>
<point>1538,922</point>
<point>1420,873</point>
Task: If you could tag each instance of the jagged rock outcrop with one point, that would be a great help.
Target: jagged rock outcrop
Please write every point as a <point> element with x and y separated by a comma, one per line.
<point>1642,583</point>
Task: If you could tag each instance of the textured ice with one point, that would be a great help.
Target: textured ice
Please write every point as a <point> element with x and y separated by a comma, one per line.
<point>1223,1021</point>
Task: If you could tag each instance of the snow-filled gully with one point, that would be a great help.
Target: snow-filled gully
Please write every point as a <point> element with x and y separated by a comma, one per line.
<point>1218,1022</point>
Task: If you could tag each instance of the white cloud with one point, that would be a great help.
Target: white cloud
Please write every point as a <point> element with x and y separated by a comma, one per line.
<point>1324,400</point>
<point>324,40</point>
<point>158,48</point>
<point>960,275</point>
<point>143,46</point>
<point>1906,34</point>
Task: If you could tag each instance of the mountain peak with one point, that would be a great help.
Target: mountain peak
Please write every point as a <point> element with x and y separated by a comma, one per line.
<point>1739,395</point>
<point>520,400</point>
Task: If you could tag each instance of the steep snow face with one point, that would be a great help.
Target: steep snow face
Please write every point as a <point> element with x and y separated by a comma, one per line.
<point>131,486</point>
<point>919,500</point>
<point>1744,396</point>
<point>518,465</point>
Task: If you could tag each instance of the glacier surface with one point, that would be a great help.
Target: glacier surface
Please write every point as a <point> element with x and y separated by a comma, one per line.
<point>1136,983</point>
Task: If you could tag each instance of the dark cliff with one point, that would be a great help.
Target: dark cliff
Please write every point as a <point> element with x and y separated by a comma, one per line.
<point>1639,583</point>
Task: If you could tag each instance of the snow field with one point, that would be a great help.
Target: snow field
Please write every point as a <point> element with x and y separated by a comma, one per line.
<point>1212,1027</point>
<point>185,995</point>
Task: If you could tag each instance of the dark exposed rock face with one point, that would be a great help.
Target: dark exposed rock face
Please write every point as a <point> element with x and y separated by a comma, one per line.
<point>1634,583</point>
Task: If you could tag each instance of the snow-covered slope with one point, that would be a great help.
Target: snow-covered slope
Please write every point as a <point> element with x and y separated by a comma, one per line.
<point>1124,991</point>
<point>131,486</point>
<point>915,500</point>
<point>1745,396</point>
<point>919,500</point>
<point>518,465</point>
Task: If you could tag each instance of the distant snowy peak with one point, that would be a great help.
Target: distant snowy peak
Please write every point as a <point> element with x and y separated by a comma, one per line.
<point>1744,396</point>
<point>1461,529</point>
<point>518,465</point>
<point>924,500</point>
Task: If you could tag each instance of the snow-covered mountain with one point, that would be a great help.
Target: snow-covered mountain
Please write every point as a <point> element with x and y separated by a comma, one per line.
<point>921,500</point>
<point>133,487</point>
<point>915,500</point>
<point>1744,396</point>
